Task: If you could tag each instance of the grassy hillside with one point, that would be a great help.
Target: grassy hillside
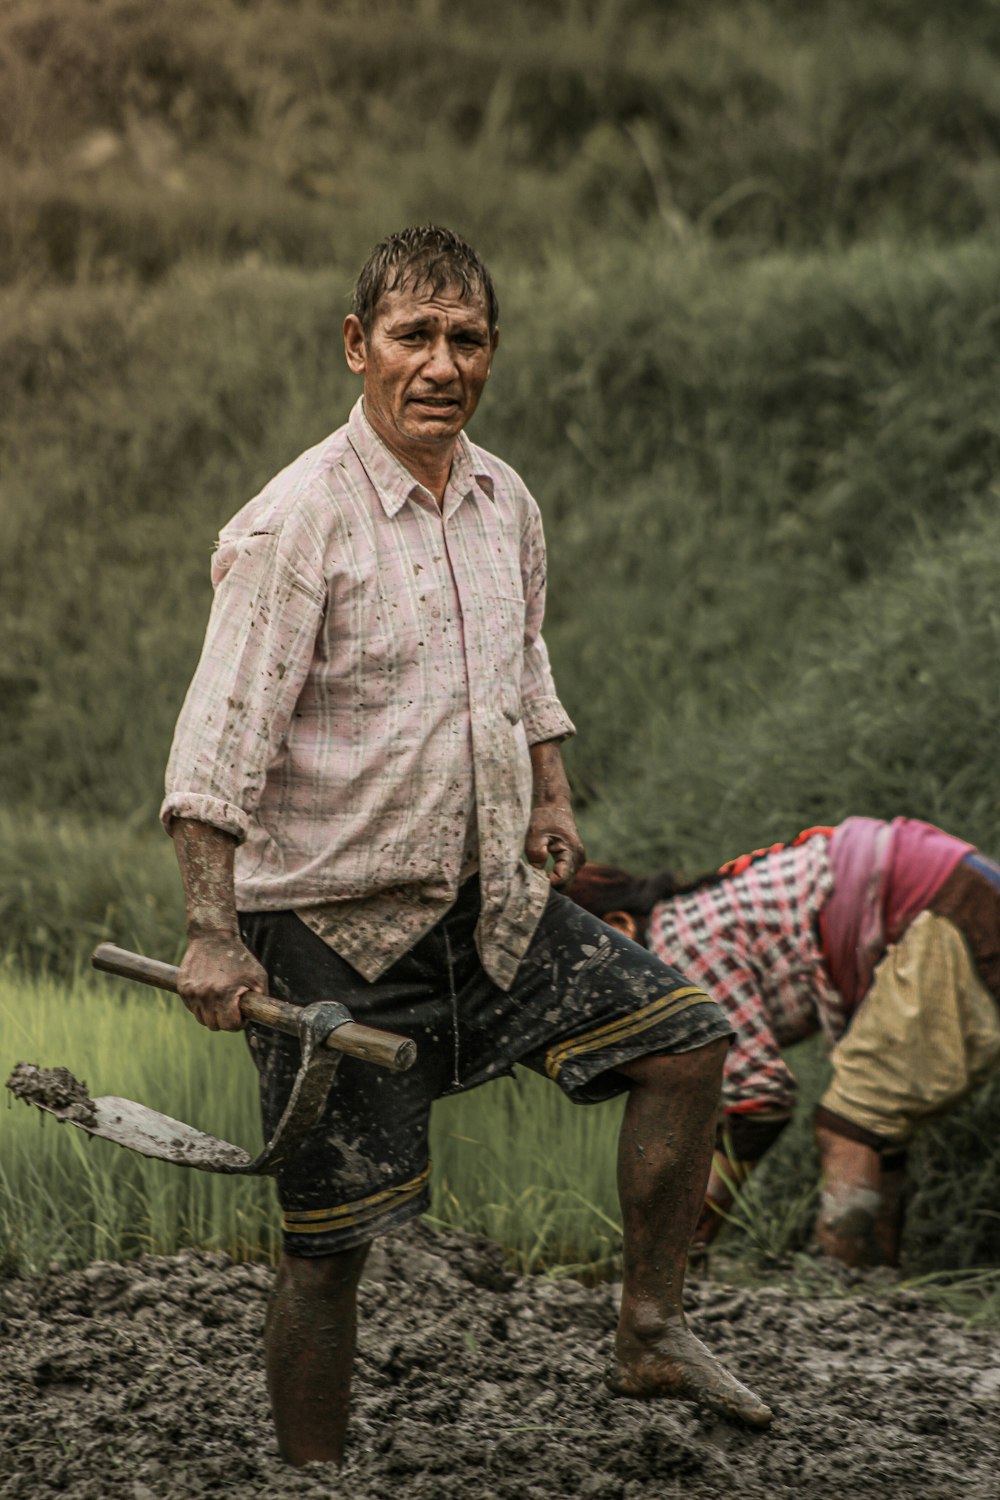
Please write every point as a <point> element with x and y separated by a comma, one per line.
<point>748,268</point>
<point>726,485</point>
<point>749,314</point>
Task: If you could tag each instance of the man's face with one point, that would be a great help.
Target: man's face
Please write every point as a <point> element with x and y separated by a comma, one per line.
<point>425,363</point>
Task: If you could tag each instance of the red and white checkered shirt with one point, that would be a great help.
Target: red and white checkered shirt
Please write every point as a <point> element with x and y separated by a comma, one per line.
<point>371,679</point>
<point>751,941</point>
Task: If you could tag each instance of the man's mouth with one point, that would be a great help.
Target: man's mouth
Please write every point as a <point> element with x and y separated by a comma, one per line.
<point>435,403</point>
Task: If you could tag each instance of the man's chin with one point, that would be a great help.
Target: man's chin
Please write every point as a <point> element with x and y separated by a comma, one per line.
<point>426,427</point>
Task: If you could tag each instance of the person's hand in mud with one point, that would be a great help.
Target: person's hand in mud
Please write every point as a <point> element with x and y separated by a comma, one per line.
<point>217,970</point>
<point>552,832</point>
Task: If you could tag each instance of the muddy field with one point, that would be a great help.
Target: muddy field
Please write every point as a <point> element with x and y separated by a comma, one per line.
<point>144,1382</point>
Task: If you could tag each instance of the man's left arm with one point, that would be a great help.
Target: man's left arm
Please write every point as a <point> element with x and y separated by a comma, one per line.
<point>552,831</point>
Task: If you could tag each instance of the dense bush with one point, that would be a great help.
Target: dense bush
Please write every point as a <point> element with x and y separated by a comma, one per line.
<point>889,705</point>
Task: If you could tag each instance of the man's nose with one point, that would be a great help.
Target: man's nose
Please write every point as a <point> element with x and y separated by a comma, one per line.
<point>440,364</point>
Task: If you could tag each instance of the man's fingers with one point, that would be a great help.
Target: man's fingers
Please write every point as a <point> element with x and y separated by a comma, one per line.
<point>568,859</point>
<point>566,853</point>
<point>215,974</point>
<point>577,856</point>
<point>536,848</point>
<point>217,1015</point>
<point>219,1012</point>
<point>562,868</point>
<point>229,1015</point>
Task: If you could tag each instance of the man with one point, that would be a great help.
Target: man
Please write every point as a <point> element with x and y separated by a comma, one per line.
<point>364,791</point>
<point>885,937</point>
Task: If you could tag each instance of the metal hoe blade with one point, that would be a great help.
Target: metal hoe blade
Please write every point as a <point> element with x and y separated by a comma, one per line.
<point>145,1130</point>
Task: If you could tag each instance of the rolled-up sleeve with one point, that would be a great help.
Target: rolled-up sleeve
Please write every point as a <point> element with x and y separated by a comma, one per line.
<point>267,610</point>
<point>543,715</point>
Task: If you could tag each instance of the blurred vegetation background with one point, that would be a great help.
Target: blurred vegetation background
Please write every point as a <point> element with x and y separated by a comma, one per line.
<point>749,272</point>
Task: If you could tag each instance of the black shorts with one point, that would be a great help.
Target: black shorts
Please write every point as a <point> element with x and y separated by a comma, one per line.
<point>585,1000</point>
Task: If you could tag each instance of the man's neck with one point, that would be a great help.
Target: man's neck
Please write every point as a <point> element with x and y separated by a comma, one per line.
<point>429,465</point>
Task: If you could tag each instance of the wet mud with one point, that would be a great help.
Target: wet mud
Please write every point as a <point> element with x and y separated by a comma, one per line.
<point>145,1382</point>
<point>53,1089</point>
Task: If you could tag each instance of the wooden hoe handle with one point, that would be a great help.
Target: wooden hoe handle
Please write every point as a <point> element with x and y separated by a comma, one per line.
<point>385,1048</point>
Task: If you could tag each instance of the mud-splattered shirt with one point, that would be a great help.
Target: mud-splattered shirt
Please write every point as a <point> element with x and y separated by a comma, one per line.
<point>751,940</point>
<point>372,676</point>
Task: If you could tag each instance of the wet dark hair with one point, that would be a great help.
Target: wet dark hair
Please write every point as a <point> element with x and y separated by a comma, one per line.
<point>604,888</point>
<point>608,888</point>
<point>601,889</point>
<point>425,256</point>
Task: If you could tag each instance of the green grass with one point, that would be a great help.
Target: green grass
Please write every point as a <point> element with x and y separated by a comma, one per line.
<point>517,1162</point>
<point>70,1198</point>
<point>513,1160</point>
<point>67,884</point>
<point>783,439</point>
<point>226,131</point>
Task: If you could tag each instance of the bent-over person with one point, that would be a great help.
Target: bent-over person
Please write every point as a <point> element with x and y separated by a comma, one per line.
<point>365,792</point>
<point>882,936</point>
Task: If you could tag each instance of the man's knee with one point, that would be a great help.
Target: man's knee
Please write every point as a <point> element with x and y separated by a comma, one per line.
<point>698,1069</point>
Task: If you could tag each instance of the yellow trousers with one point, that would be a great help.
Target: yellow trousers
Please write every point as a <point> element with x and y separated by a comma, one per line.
<point>926,1034</point>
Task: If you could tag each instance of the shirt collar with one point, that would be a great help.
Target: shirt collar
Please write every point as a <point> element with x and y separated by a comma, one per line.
<point>395,484</point>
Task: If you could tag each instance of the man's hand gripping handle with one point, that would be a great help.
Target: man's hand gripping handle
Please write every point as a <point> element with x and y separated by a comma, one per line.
<point>385,1048</point>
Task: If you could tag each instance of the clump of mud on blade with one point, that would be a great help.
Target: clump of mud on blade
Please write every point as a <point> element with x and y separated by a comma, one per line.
<point>55,1090</point>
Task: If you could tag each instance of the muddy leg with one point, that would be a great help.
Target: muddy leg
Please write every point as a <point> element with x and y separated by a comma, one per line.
<point>663,1162</point>
<point>309,1353</point>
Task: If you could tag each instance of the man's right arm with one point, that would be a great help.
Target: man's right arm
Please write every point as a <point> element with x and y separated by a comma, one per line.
<point>268,607</point>
<point>217,968</point>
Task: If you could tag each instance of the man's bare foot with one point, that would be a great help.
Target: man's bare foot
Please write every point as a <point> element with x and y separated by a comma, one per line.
<point>677,1365</point>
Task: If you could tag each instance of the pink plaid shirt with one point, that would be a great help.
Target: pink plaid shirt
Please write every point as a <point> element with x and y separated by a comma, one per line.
<point>750,940</point>
<point>371,679</point>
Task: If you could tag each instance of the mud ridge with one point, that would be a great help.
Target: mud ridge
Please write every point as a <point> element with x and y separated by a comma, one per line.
<point>144,1382</point>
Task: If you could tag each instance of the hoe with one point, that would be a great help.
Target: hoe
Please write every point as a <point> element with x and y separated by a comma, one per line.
<point>325,1032</point>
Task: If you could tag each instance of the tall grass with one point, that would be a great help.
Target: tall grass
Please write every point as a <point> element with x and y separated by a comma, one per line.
<point>67,884</point>
<point>513,1159</point>
<point>885,708</point>
<point>70,1198</point>
<point>132,139</point>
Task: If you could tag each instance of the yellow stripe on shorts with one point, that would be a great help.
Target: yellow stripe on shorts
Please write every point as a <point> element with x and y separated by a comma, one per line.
<point>617,1031</point>
<point>361,1211</point>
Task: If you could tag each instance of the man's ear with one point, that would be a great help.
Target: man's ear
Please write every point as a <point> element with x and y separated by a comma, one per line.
<point>355,349</point>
